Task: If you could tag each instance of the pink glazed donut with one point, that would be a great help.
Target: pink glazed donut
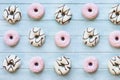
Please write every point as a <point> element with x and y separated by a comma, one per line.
<point>11,38</point>
<point>36,11</point>
<point>62,39</point>
<point>114,39</point>
<point>36,64</point>
<point>90,64</point>
<point>90,11</point>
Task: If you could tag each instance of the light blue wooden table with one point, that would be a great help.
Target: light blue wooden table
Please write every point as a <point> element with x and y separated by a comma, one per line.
<point>77,51</point>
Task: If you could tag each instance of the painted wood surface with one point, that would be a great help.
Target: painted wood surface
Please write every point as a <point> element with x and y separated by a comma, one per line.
<point>77,51</point>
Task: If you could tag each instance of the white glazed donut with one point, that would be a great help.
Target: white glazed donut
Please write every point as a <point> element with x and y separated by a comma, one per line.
<point>114,14</point>
<point>37,36</point>
<point>114,65</point>
<point>11,63</point>
<point>90,37</point>
<point>63,14</point>
<point>62,65</point>
<point>12,14</point>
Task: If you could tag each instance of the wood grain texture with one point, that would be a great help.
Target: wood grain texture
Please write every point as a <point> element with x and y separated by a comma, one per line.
<point>77,51</point>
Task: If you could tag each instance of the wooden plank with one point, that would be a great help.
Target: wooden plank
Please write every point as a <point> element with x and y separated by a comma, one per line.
<point>76,46</point>
<point>77,59</point>
<point>49,73</point>
<point>50,10</point>
<point>77,51</point>
<point>60,1</point>
<point>52,27</point>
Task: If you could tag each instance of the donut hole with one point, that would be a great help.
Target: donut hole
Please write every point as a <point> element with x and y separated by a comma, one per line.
<point>90,64</point>
<point>60,11</point>
<point>36,10</point>
<point>114,11</point>
<point>11,62</point>
<point>42,38</point>
<point>117,13</point>
<point>62,38</point>
<point>117,65</point>
<point>36,36</point>
<point>11,13</point>
<point>63,65</point>
<point>11,37</point>
<point>63,14</point>
<point>90,36</point>
<point>89,10</point>
<point>36,64</point>
<point>116,38</point>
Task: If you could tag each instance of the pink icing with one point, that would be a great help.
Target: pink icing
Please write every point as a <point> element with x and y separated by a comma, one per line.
<point>114,39</point>
<point>11,38</point>
<point>90,64</point>
<point>36,64</point>
<point>90,11</point>
<point>62,39</point>
<point>36,11</point>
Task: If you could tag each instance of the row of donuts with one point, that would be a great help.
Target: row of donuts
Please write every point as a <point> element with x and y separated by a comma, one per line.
<point>62,65</point>
<point>63,14</point>
<point>37,38</point>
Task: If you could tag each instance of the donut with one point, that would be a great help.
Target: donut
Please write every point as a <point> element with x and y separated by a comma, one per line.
<point>11,63</point>
<point>62,65</point>
<point>90,11</point>
<point>11,38</point>
<point>91,37</point>
<point>62,39</point>
<point>36,64</point>
<point>63,14</point>
<point>36,11</point>
<point>114,39</point>
<point>12,14</point>
<point>114,65</point>
<point>90,64</point>
<point>37,37</point>
<point>114,14</point>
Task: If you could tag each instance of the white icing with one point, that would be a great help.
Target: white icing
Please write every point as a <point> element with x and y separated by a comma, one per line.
<point>90,37</point>
<point>114,14</point>
<point>62,65</point>
<point>40,39</point>
<point>63,19</point>
<point>114,65</point>
<point>14,17</point>
<point>11,63</point>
